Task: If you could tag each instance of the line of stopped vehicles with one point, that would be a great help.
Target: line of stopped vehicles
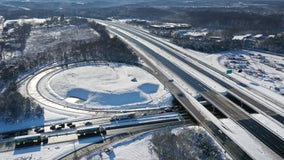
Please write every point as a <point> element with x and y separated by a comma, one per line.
<point>22,139</point>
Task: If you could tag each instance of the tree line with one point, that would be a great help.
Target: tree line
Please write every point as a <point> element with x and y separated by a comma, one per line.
<point>14,108</point>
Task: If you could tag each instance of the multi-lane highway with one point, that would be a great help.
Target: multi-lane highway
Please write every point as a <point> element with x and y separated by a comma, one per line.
<point>245,98</point>
<point>233,111</point>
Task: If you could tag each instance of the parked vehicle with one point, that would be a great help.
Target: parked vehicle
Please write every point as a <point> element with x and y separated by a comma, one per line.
<point>69,124</point>
<point>72,126</point>
<point>53,127</point>
<point>39,130</point>
<point>88,123</point>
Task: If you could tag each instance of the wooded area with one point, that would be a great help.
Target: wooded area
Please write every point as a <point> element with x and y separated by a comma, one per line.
<point>188,143</point>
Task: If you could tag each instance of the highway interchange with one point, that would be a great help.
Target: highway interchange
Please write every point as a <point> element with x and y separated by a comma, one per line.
<point>172,67</point>
<point>231,110</point>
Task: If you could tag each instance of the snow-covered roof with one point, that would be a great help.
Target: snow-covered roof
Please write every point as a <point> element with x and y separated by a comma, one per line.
<point>271,36</point>
<point>258,36</point>
<point>241,37</point>
<point>170,25</point>
<point>196,33</point>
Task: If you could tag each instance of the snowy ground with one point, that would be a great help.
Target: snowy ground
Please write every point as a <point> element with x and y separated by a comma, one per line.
<point>130,149</point>
<point>109,86</point>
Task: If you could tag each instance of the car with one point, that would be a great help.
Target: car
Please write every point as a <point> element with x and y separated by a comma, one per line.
<point>168,109</point>
<point>69,124</point>
<point>180,94</point>
<point>108,150</point>
<point>39,130</point>
<point>88,123</point>
<point>72,126</point>
<point>53,127</point>
<point>58,127</point>
<point>161,112</point>
<point>62,125</point>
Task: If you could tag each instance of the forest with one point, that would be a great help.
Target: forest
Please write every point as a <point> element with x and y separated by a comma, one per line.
<point>223,19</point>
<point>188,143</point>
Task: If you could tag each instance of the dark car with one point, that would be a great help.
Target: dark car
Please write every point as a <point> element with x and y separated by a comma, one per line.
<point>59,127</point>
<point>53,127</point>
<point>180,94</point>
<point>39,130</point>
<point>72,126</point>
<point>88,123</point>
<point>62,125</point>
<point>69,124</point>
<point>168,109</point>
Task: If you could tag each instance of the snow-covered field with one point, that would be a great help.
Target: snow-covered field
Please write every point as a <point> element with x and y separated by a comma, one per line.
<point>131,149</point>
<point>109,86</point>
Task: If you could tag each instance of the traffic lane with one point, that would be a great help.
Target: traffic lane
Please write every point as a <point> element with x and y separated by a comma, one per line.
<point>263,108</point>
<point>263,134</point>
<point>77,124</point>
<point>147,127</point>
<point>224,105</point>
<point>271,140</point>
<point>227,142</point>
